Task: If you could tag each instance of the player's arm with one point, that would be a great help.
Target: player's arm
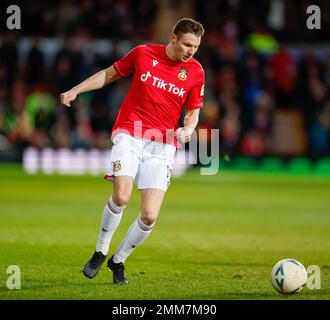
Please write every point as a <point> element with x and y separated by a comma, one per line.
<point>189,124</point>
<point>96,81</point>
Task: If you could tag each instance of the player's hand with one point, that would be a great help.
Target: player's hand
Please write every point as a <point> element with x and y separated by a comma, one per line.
<point>184,134</point>
<point>68,97</point>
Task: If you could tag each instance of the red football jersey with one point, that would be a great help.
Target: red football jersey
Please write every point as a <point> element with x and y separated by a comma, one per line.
<point>160,88</point>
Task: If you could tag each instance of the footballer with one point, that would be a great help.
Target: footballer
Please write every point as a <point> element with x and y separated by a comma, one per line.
<point>165,78</point>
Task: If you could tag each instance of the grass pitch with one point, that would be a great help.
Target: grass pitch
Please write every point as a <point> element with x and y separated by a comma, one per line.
<point>217,237</point>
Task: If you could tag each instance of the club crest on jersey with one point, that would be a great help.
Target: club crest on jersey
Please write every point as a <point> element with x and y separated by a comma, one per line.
<point>116,166</point>
<point>183,74</point>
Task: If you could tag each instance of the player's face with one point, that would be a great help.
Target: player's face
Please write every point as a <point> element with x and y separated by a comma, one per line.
<point>185,46</point>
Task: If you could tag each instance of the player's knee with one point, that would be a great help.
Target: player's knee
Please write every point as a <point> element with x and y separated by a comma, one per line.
<point>121,200</point>
<point>148,219</point>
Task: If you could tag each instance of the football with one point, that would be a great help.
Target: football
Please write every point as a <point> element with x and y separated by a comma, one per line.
<point>288,276</point>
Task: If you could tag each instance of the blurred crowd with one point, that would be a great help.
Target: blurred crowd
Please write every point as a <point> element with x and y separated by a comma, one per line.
<point>258,56</point>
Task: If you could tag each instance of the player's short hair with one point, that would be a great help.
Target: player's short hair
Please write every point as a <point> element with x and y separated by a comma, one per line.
<point>188,25</point>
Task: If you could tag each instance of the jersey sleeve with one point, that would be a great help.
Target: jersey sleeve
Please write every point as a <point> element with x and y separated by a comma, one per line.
<point>125,66</point>
<point>196,94</point>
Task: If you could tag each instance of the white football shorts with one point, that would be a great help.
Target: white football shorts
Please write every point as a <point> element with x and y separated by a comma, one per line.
<point>149,163</point>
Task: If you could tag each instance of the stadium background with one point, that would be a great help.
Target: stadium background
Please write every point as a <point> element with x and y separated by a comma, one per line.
<point>267,90</point>
<point>268,76</point>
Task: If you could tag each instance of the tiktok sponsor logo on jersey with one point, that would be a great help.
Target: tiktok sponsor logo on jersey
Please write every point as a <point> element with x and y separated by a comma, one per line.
<point>161,84</point>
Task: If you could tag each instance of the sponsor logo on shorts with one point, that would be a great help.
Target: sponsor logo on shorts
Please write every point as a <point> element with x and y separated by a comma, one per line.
<point>168,175</point>
<point>116,166</point>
